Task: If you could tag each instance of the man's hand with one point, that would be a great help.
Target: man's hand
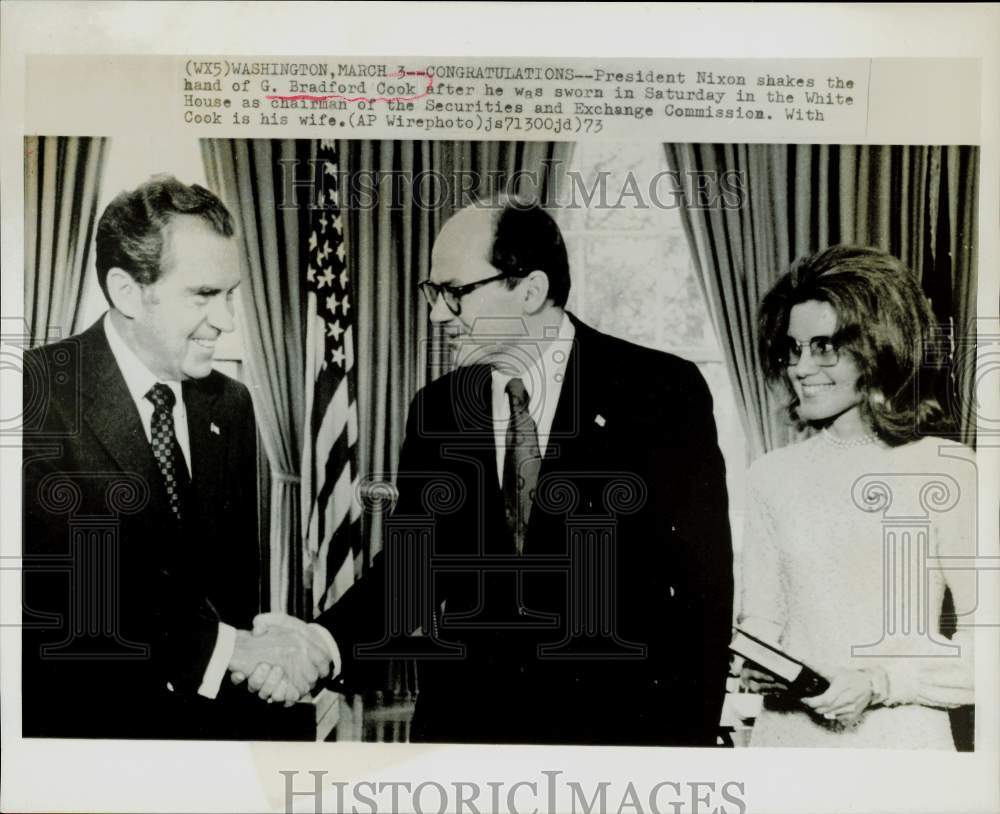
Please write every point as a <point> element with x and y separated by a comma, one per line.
<point>278,654</point>
<point>271,683</point>
<point>849,694</point>
<point>269,680</point>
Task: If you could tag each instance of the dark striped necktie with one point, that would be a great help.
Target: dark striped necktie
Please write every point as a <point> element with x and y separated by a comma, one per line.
<point>166,450</point>
<point>522,460</point>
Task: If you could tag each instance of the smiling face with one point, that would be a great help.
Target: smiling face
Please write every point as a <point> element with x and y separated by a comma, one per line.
<point>826,394</point>
<point>181,315</point>
<point>491,315</point>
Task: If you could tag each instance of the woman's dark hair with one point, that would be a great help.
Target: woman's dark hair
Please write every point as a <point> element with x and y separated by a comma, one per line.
<point>883,321</point>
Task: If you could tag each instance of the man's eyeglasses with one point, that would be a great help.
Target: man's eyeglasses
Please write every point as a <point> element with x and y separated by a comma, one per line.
<point>453,293</point>
<point>823,350</point>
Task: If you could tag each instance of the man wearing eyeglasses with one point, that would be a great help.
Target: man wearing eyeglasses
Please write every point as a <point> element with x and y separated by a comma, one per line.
<point>581,588</point>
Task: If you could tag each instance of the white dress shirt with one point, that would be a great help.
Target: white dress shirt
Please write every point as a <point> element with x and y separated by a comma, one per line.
<point>543,382</point>
<point>139,379</point>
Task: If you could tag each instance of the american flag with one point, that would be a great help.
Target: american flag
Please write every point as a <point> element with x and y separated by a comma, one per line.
<point>331,512</point>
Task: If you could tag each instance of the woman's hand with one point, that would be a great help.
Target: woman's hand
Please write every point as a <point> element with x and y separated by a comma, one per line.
<point>849,694</point>
<point>758,681</point>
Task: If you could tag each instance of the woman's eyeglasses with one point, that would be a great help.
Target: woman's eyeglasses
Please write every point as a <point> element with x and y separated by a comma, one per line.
<point>823,350</point>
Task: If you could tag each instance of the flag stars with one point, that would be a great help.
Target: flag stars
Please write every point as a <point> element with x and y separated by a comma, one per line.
<point>326,278</point>
<point>327,274</point>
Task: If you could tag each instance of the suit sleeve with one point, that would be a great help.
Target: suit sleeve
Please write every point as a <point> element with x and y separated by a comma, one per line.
<point>167,602</point>
<point>361,616</point>
<point>189,611</point>
<point>43,603</point>
<point>247,512</point>
<point>248,562</point>
<point>702,533</point>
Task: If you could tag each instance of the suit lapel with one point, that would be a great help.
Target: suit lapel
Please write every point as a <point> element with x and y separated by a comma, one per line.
<point>110,412</point>
<point>577,440</point>
<point>208,433</point>
<point>472,405</point>
<point>579,411</point>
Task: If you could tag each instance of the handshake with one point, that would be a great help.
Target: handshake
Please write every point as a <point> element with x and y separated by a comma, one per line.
<point>282,658</point>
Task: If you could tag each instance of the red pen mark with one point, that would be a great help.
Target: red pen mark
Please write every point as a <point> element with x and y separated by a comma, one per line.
<point>369,99</point>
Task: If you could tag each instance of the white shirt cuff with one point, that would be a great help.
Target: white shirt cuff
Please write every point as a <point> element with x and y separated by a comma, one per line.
<point>331,648</point>
<point>225,643</point>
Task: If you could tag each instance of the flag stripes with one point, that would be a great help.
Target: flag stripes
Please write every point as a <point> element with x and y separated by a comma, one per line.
<point>331,513</point>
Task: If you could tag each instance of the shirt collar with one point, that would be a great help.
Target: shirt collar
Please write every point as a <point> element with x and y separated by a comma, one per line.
<point>138,378</point>
<point>548,370</point>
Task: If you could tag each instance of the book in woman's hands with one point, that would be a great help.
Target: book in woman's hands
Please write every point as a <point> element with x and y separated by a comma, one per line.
<point>802,680</point>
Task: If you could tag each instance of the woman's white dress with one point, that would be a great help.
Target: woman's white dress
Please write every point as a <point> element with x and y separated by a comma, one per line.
<point>842,550</point>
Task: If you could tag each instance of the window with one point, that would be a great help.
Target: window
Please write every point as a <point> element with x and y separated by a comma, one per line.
<point>633,277</point>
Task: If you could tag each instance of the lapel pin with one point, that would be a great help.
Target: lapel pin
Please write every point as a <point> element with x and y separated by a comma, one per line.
<point>214,428</point>
<point>599,420</point>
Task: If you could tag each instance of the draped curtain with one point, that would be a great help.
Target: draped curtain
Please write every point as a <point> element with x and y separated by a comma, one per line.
<point>248,176</point>
<point>916,202</point>
<point>62,182</point>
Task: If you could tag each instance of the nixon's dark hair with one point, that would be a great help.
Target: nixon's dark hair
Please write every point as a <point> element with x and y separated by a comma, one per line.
<point>130,234</point>
<point>525,238</point>
<point>883,321</point>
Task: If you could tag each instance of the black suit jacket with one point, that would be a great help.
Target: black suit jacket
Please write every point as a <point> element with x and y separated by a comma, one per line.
<point>122,601</point>
<point>627,644</point>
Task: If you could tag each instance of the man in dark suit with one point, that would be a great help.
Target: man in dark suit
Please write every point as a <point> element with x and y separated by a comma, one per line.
<point>561,524</point>
<point>141,549</point>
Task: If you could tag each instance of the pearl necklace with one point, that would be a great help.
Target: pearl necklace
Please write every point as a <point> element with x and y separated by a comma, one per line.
<point>863,441</point>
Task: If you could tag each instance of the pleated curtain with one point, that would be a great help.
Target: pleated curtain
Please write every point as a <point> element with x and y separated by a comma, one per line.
<point>62,184</point>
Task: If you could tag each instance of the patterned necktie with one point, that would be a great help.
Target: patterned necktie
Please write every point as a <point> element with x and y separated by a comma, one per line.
<point>166,450</point>
<point>521,463</point>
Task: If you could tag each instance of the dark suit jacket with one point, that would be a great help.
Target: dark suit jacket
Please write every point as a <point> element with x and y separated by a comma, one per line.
<point>122,601</point>
<point>633,484</point>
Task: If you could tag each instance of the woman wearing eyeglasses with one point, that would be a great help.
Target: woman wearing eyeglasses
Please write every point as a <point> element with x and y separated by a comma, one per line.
<point>840,565</point>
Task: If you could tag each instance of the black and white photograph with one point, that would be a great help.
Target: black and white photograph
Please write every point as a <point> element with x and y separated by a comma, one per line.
<point>417,323</point>
<point>581,439</point>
